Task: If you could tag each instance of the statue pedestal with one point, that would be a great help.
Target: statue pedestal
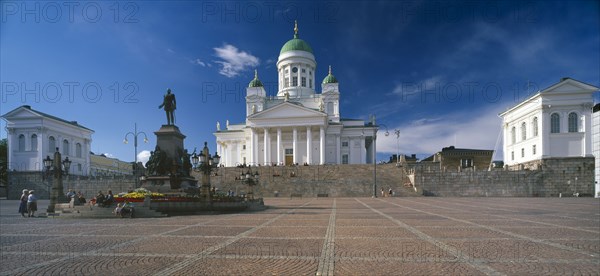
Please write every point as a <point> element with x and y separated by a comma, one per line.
<point>170,140</point>
<point>169,184</point>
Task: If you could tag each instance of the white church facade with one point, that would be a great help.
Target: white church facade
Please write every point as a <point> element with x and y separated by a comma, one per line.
<point>33,135</point>
<point>555,122</point>
<point>297,125</point>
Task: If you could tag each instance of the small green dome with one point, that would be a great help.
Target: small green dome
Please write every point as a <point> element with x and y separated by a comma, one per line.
<point>255,82</point>
<point>296,44</point>
<point>330,78</point>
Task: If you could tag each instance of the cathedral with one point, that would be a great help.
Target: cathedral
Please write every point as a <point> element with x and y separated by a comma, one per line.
<point>297,126</point>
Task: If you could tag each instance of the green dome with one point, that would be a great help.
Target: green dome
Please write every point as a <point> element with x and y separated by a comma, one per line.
<point>330,78</point>
<point>255,82</point>
<point>296,44</point>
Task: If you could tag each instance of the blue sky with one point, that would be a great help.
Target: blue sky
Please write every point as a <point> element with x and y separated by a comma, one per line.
<point>440,71</point>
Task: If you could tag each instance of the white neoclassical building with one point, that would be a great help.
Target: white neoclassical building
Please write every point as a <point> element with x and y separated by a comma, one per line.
<point>596,144</point>
<point>555,122</point>
<point>33,135</point>
<point>297,125</point>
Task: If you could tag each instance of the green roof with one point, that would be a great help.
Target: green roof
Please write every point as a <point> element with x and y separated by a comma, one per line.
<point>330,78</point>
<point>296,44</point>
<point>255,82</point>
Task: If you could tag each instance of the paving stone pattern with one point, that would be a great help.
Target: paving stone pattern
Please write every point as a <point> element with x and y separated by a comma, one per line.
<point>318,236</point>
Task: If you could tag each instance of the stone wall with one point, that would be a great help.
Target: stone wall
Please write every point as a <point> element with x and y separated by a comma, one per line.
<point>550,178</point>
<point>89,186</point>
<point>334,180</point>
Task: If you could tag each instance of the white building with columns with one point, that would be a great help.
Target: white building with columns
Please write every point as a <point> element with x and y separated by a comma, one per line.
<point>555,122</point>
<point>596,144</point>
<point>297,125</point>
<point>33,135</point>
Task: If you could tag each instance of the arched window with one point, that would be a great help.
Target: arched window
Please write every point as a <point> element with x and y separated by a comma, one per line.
<point>34,142</point>
<point>51,144</point>
<point>78,150</point>
<point>523,131</point>
<point>21,142</point>
<point>65,147</point>
<point>554,123</point>
<point>534,125</point>
<point>573,122</point>
<point>513,135</point>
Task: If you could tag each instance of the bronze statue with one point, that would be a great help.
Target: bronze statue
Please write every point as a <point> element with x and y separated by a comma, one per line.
<point>169,105</point>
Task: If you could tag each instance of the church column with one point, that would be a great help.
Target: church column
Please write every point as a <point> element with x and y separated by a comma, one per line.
<point>544,132</point>
<point>295,145</point>
<point>252,146</point>
<point>279,146</point>
<point>308,145</point>
<point>322,145</point>
<point>338,151</point>
<point>266,147</point>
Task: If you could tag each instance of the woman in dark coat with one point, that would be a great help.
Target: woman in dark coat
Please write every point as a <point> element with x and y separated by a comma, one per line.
<point>23,203</point>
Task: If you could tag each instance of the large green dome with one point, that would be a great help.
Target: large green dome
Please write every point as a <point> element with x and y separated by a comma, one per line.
<point>296,44</point>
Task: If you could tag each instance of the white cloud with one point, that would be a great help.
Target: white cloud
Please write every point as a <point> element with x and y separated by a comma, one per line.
<point>143,156</point>
<point>234,61</point>
<point>198,62</point>
<point>475,129</point>
<point>109,155</point>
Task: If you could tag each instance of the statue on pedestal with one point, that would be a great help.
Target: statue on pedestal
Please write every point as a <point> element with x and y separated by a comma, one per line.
<point>169,105</point>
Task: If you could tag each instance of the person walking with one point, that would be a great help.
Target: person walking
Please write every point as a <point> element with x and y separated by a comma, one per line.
<point>31,204</point>
<point>23,202</point>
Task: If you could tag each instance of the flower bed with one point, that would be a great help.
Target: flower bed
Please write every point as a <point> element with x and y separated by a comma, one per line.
<point>138,195</point>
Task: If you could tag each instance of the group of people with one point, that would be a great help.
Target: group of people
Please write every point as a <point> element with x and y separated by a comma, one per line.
<point>79,198</point>
<point>124,209</point>
<point>102,200</point>
<point>28,204</point>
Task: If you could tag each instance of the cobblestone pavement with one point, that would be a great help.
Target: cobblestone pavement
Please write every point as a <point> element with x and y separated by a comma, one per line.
<point>332,236</point>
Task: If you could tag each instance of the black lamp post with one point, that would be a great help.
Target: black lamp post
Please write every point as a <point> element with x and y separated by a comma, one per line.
<point>135,134</point>
<point>205,163</point>
<point>251,179</point>
<point>59,168</point>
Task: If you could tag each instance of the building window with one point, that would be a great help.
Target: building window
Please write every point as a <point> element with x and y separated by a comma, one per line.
<point>309,83</point>
<point>573,122</point>
<point>243,147</point>
<point>344,158</point>
<point>289,151</point>
<point>345,144</point>
<point>466,163</point>
<point>79,167</point>
<point>78,150</point>
<point>310,73</point>
<point>533,150</point>
<point>51,144</point>
<point>295,70</point>
<point>294,81</point>
<point>554,123</point>
<point>513,135</point>
<point>522,152</point>
<point>512,155</point>
<point>34,142</point>
<point>21,142</point>
<point>65,147</point>
<point>523,131</point>
<point>286,83</point>
<point>330,108</point>
<point>534,125</point>
<point>303,70</point>
<point>303,82</point>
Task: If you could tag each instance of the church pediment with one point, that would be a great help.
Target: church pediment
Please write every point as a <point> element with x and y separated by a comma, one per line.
<point>21,113</point>
<point>286,110</point>
<point>570,86</point>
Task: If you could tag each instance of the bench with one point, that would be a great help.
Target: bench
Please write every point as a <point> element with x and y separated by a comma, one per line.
<point>295,195</point>
<point>322,195</point>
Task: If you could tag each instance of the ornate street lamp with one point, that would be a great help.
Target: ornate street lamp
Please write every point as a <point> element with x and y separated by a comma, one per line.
<point>251,179</point>
<point>59,168</point>
<point>205,163</point>
<point>135,134</point>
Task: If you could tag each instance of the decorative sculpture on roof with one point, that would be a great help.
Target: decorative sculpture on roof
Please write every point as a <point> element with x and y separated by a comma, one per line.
<point>169,105</point>
<point>218,126</point>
